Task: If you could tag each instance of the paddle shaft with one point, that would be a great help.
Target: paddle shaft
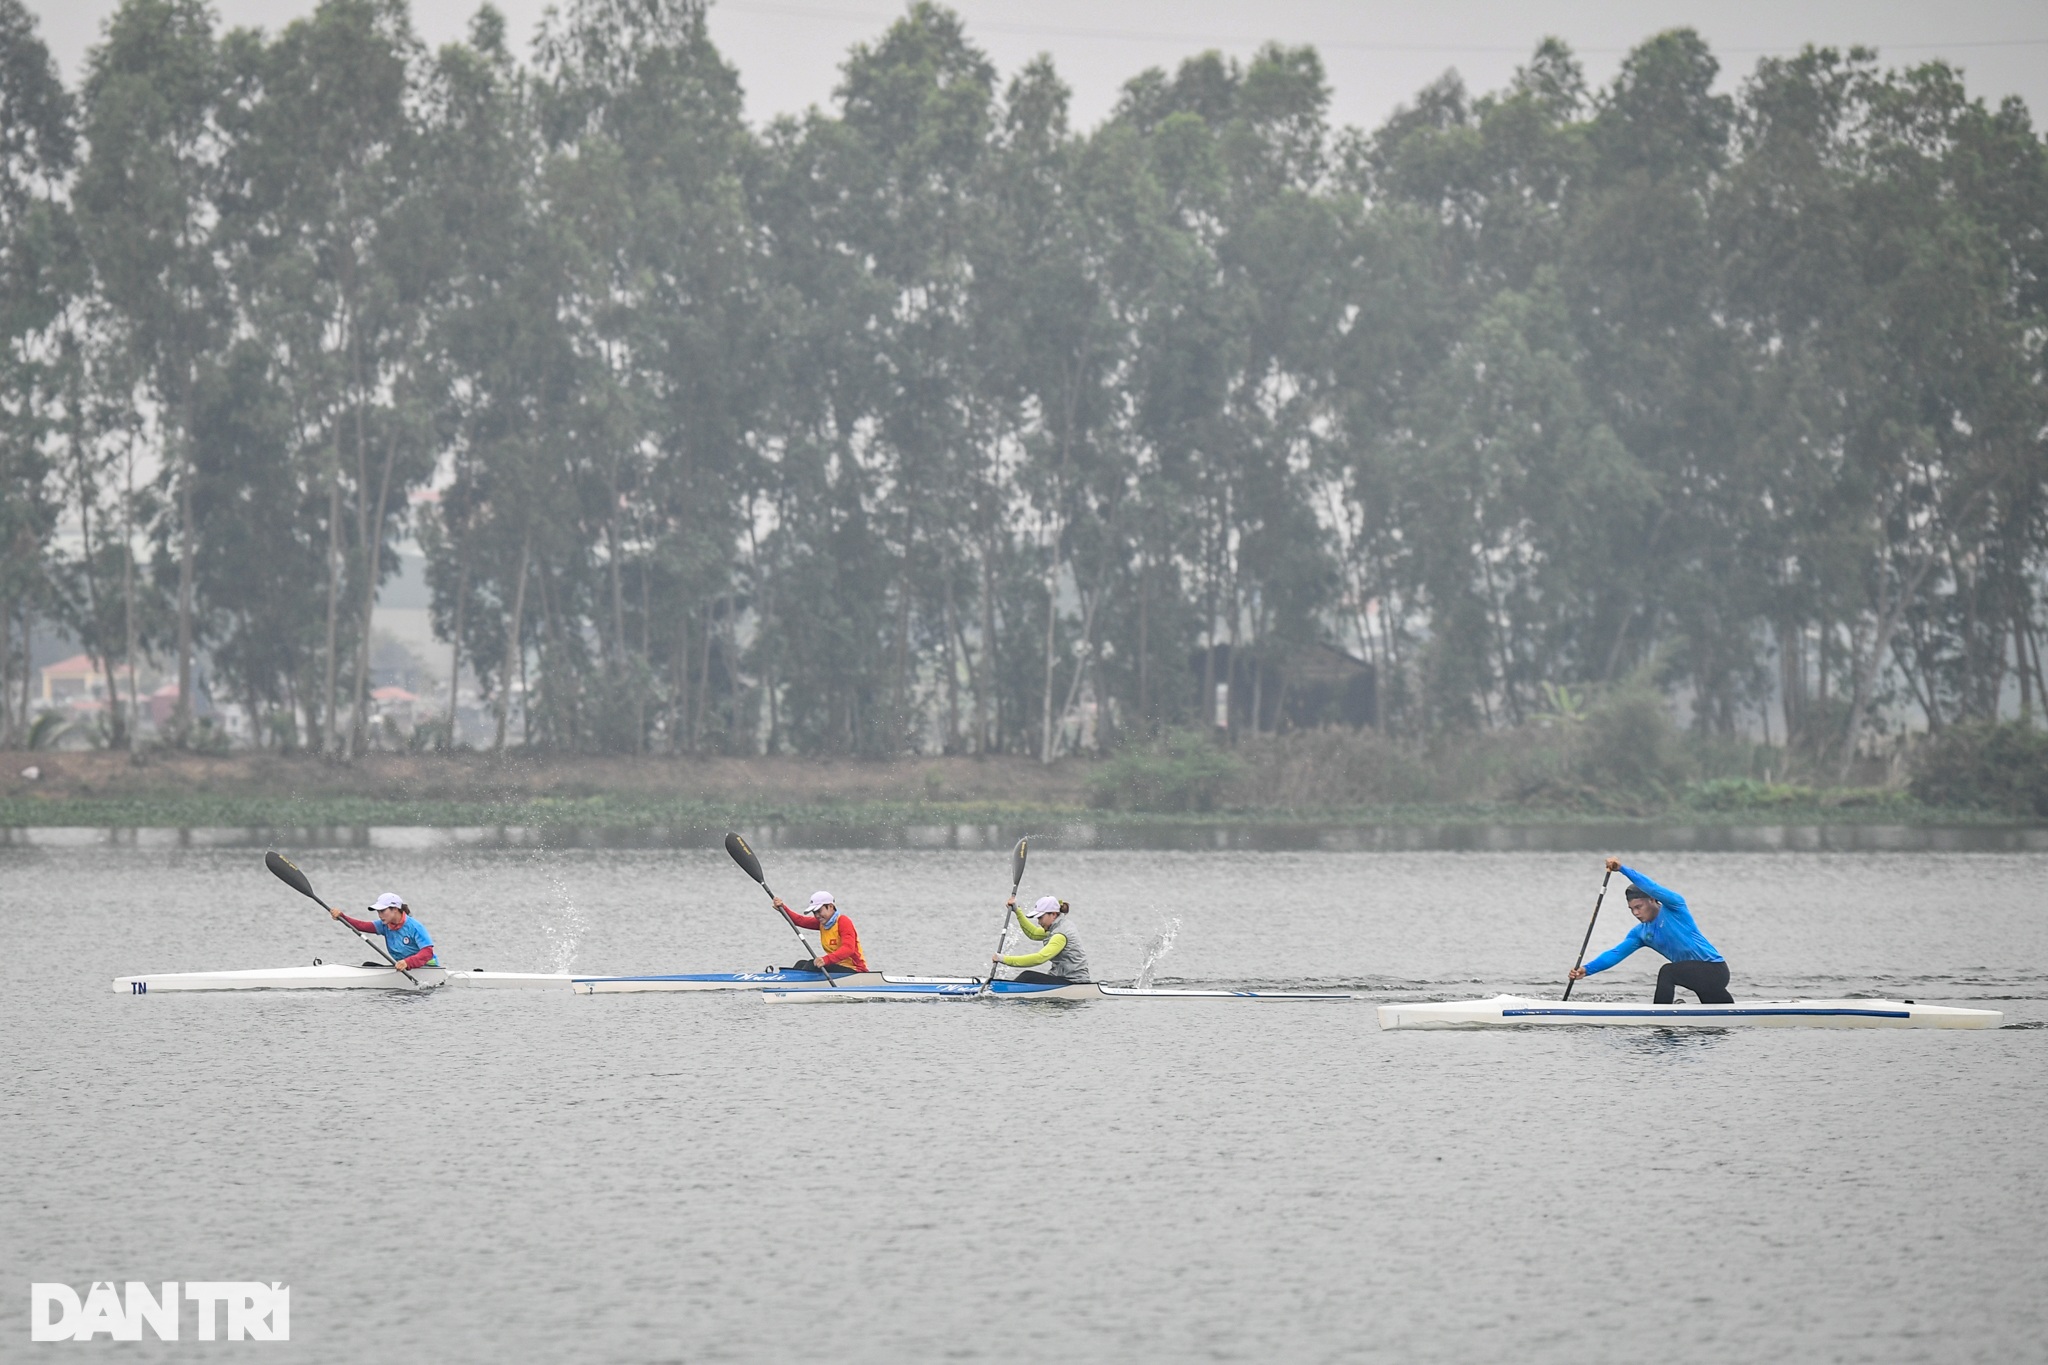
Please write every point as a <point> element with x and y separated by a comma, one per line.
<point>304,886</point>
<point>1001,934</point>
<point>750,863</point>
<point>812,953</point>
<point>1016,880</point>
<point>1581,959</point>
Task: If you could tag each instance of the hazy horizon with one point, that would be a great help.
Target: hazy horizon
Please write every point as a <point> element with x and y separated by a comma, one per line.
<point>1376,56</point>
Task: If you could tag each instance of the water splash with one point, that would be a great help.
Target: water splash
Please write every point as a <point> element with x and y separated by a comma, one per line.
<point>1162,944</point>
<point>563,923</point>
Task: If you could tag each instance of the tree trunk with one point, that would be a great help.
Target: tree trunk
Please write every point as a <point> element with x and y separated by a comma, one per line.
<point>515,654</point>
<point>900,689</point>
<point>1051,616</point>
<point>985,684</point>
<point>952,672</point>
<point>373,563</point>
<point>703,678</point>
<point>455,647</point>
<point>616,654</point>
<point>1145,644</point>
<point>128,588</point>
<point>334,565</point>
<point>101,655</point>
<point>1865,665</point>
<point>182,717</point>
<point>1088,605</point>
<point>7,740</point>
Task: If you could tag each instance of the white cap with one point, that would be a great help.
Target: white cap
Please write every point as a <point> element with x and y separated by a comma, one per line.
<point>1047,905</point>
<point>821,899</point>
<point>390,900</point>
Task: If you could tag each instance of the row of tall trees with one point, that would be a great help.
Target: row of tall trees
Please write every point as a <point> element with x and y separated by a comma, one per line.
<point>914,423</point>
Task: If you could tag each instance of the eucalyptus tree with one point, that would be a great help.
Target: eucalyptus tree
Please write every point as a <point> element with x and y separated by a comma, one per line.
<point>147,199</point>
<point>1642,270</point>
<point>1051,348</point>
<point>37,287</point>
<point>1875,266</point>
<point>646,193</point>
<point>820,565</point>
<point>1946,445</point>
<point>917,110</point>
<point>336,259</point>
<point>505,367</point>
<point>250,508</point>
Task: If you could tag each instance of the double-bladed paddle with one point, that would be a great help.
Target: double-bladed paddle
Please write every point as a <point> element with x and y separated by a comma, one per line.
<point>1568,981</point>
<point>1016,880</point>
<point>751,865</point>
<point>288,872</point>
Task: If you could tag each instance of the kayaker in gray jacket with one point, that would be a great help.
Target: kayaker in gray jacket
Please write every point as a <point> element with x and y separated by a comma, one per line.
<point>1060,961</point>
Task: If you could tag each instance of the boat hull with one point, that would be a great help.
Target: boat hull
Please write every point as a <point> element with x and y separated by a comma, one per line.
<point>1023,990</point>
<point>481,980</point>
<point>748,981</point>
<point>1511,1011</point>
<point>321,976</point>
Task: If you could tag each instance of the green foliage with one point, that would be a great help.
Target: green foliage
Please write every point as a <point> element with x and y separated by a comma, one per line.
<point>1181,771</point>
<point>1749,795</point>
<point>2000,767</point>
<point>1629,743</point>
<point>927,421</point>
<point>46,730</point>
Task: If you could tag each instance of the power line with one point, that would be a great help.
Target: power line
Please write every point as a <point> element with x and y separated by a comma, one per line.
<point>766,7</point>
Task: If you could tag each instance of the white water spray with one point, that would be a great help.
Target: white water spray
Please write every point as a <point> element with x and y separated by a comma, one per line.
<point>1162,944</point>
<point>564,923</point>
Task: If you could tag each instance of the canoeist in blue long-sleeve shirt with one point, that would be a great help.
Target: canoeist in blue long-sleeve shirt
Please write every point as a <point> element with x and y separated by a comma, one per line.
<point>1665,925</point>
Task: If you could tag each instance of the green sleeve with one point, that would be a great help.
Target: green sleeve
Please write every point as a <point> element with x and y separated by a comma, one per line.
<point>1054,946</point>
<point>1030,927</point>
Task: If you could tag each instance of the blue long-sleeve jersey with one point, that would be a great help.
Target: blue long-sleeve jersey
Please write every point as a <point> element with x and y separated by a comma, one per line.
<point>1671,933</point>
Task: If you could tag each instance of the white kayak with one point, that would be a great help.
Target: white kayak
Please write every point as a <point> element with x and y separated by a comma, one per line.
<point>1514,1011</point>
<point>321,976</point>
<point>753,981</point>
<point>1023,990</point>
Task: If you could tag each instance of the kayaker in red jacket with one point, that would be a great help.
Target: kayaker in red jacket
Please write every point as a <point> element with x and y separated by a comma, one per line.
<point>838,940</point>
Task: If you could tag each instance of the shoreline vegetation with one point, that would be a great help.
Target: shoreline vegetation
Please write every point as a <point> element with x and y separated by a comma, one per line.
<point>1328,779</point>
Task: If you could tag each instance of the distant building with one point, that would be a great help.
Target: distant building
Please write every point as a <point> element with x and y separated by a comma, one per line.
<point>72,681</point>
<point>162,704</point>
<point>396,711</point>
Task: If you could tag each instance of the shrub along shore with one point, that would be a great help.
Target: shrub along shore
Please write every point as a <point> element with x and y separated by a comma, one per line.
<point>1606,773</point>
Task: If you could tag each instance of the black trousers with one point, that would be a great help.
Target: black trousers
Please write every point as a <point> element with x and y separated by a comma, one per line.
<point>1707,980</point>
<point>805,966</point>
<point>1046,979</point>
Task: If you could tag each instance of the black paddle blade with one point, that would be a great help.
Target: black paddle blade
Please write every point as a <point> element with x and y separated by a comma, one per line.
<point>288,872</point>
<point>1017,861</point>
<point>742,855</point>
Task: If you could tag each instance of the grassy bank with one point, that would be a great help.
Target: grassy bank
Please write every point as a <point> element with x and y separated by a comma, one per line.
<point>167,790</point>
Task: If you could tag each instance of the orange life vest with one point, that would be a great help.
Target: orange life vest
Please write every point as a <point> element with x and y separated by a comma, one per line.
<point>841,936</point>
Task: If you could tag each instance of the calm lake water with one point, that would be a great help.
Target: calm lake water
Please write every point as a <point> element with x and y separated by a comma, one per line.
<point>495,1177</point>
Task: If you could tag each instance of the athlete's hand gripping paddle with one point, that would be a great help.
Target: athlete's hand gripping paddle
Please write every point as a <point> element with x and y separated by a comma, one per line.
<point>1016,880</point>
<point>751,865</point>
<point>288,872</point>
<point>1569,982</point>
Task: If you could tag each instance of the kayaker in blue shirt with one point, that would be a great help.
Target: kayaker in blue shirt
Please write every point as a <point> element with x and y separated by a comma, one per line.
<point>405,938</point>
<point>1664,925</point>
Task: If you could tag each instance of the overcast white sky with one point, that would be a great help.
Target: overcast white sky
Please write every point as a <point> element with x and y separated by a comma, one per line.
<point>1377,52</point>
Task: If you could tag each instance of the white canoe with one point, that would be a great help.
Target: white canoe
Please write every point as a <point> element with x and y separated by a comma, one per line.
<point>1022,990</point>
<point>321,976</point>
<point>749,981</point>
<point>479,979</point>
<point>1513,1011</point>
